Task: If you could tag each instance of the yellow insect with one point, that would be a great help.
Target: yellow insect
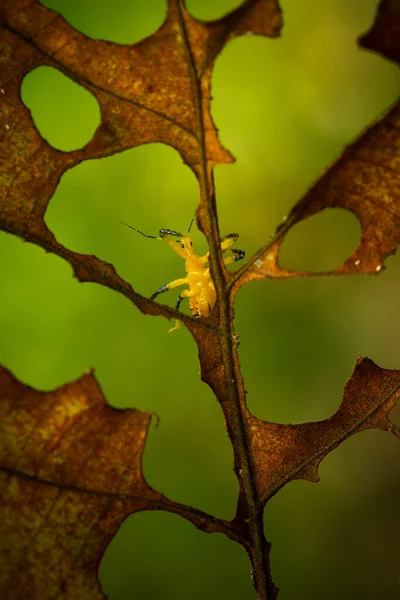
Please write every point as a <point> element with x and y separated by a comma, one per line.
<point>201,291</point>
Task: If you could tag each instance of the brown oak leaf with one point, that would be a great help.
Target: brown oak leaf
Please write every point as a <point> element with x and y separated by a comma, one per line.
<point>70,473</point>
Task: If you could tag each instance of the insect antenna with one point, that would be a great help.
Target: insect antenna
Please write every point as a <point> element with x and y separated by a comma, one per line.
<point>153,237</point>
<point>110,214</point>
<point>191,223</point>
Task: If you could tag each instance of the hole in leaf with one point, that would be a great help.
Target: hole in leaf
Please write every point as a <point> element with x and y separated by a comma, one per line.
<point>121,21</point>
<point>159,556</point>
<point>345,524</point>
<point>65,113</point>
<point>296,373</point>
<point>322,242</point>
<point>141,187</point>
<point>209,11</point>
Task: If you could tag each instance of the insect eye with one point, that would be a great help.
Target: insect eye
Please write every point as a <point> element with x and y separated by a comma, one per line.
<point>191,243</point>
<point>182,245</point>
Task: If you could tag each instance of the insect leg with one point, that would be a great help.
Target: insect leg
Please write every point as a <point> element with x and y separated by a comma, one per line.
<point>161,290</point>
<point>228,240</point>
<point>184,294</point>
<point>177,325</point>
<point>237,255</point>
<point>166,288</point>
<point>169,286</point>
<point>177,306</point>
<point>178,302</point>
<point>226,243</point>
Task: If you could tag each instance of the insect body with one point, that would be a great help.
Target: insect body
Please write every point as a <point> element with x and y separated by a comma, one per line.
<point>201,291</point>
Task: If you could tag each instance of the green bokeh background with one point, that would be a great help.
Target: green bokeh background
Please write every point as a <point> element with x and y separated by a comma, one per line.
<point>285,108</point>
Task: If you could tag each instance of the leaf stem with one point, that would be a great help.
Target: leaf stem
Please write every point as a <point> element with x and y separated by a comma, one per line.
<point>232,400</point>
